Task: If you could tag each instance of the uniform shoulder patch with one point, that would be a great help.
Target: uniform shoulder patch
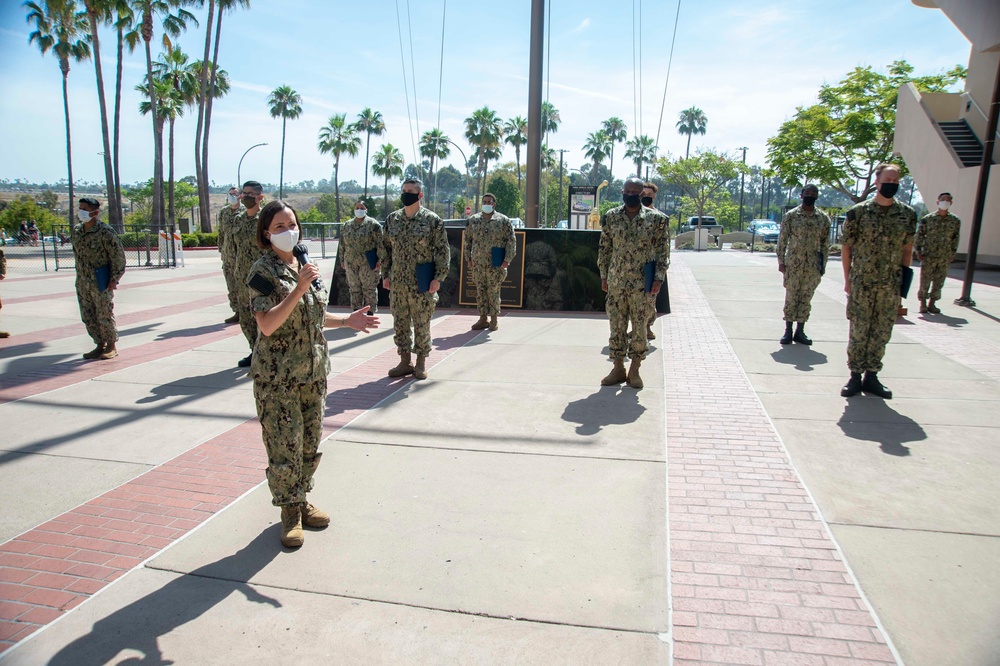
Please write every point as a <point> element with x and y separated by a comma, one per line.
<point>261,284</point>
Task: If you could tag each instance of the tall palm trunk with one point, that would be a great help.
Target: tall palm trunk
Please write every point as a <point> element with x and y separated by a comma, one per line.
<point>336,183</point>
<point>109,177</point>
<point>385,198</point>
<point>147,37</point>
<point>206,220</point>
<point>687,151</point>
<point>517,158</point>
<point>117,124</point>
<point>64,68</point>
<point>170,177</point>
<point>281,167</point>
<point>430,179</point>
<point>611,166</point>
<point>368,146</point>
<point>203,208</point>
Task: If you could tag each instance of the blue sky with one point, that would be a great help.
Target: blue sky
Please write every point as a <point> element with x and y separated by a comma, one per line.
<point>746,63</point>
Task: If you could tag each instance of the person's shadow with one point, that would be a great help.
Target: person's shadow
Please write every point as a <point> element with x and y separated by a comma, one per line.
<point>953,322</point>
<point>872,419</point>
<point>802,357</point>
<point>138,625</point>
<point>611,405</point>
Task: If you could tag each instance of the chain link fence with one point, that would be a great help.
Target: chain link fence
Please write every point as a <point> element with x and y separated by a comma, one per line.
<point>144,248</point>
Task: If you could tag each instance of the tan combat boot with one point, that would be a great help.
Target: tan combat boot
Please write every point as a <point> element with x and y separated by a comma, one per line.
<point>95,352</point>
<point>313,517</point>
<point>404,368</point>
<point>4,334</point>
<point>923,305</point>
<point>634,380</point>
<point>493,323</point>
<point>649,332</point>
<point>481,324</point>
<point>617,374</point>
<point>235,319</point>
<point>291,526</point>
<point>109,352</point>
<point>420,371</point>
<point>933,309</point>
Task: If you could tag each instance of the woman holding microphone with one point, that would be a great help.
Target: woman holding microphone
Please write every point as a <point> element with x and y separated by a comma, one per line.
<point>290,366</point>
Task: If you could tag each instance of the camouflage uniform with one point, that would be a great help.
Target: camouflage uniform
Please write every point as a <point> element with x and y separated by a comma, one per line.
<point>97,247</point>
<point>225,227</point>
<point>289,371</point>
<point>803,249</point>
<point>876,237</point>
<point>3,274</point>
<point>936,243</point>
<point>246,252</point>
<point>406,243</point>
<point>481,236</point>
<point>626,246</point>
<point>356,238</point>
<point>665,221</point>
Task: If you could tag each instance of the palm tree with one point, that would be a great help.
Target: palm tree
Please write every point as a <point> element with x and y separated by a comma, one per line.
<point>286,104</point>
<point>173,25</point>
<point>98,12</point>
<point>370,122</point>
<point>484,130</point>
<point>169,106</point>
<point>434,145</point>
<point>62,29</point>
<point>388,163</point>
<point>642,151</point>
<point>516,134</point>
<point>617,132</point>
<point>691,121</point>
<point>120,14</point>
<point>596,149</point>
<point>207,80</point>
<point>338,137</point>
<point>550,118</point>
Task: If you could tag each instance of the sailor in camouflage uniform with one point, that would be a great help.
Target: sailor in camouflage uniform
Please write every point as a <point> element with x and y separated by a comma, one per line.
<point>937,243</point>
<point>649,190</point>
<point>631,237</point>
<point>245,252</point>
<point>485,232</point>
<point>357,240</point>
<point>224,228</point>
<point>413,237</point>
<point>96,245</point>
<point>290,366</point>
<point>877,241</point>
<point>803,250</point>
<point>3,274</point>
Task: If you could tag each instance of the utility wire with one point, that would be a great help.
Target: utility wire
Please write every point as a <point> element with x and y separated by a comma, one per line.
<point>406,87</point>
<point>673,40</point>
<point>444,14</point>
<point>640,71</point>
<point>413,75</point>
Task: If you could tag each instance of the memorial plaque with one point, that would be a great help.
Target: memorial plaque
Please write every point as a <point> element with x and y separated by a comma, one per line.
<point>512,289</point>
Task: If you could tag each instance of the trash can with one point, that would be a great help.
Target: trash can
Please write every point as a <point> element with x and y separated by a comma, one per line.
<point>701,239</point>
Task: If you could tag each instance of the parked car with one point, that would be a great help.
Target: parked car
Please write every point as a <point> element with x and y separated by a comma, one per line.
<point>581,206</point>
<point>765,231</point>
<point>707,222</point>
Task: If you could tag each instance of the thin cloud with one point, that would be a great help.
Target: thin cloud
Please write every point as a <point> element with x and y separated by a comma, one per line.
<point>584,24</point>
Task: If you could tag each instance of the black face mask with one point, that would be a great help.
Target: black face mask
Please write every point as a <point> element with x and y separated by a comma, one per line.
<point>808,200</point>
<point>409,198</point>
<point>631,200</point>
<point>249,202</point>
<point>647,201</point>
<point>888,190</point>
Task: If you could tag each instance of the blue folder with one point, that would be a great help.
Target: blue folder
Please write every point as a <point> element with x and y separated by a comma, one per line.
<point>372,257</point>
<point>904,287</point>
<point>497,255</point>
<point>103,275</point>
<point>649,272</point>
<point>425,273</point>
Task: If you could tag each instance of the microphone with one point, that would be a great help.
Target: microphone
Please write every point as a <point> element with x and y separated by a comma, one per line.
<point>302,254</point>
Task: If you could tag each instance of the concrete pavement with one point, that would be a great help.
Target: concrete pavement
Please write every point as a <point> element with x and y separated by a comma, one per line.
<point>508,509</point>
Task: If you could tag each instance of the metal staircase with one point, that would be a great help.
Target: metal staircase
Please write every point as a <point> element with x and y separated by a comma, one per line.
<point>964,142</point>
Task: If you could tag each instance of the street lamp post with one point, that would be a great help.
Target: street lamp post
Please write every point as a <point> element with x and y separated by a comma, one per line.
<point>561,151</point>
<point>239,183</point>
<point>742,175</point>
<point>466,163</point>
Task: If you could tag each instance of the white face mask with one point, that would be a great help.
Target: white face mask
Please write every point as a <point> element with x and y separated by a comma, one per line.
<point>360,213</point>
<point>286,240</point>
<point>944,205</point>
<point>487,209</point>
<point>232,199</point>
<point>83,215</point>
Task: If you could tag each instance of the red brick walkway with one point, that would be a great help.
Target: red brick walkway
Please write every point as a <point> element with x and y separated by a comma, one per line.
<point>59,564</point>
<point>755,575</point>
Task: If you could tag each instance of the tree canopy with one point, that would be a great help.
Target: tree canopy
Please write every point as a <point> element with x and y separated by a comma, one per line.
<point>839,141</point>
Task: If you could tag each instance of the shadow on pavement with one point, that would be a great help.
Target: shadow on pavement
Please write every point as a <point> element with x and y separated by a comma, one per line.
<point>138,625</point>
<point>221,380</point>
<point>803,358</point>
<point>953,322</point>
<point>611,405</point>
<point>873,420</point>
<point>195,331</point>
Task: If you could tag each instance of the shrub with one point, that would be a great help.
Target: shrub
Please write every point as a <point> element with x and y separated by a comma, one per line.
<point>739,246</point>
<point>764,247</point>
<point>189,240</point>
<point>208,239</point>
<point>687,245</point>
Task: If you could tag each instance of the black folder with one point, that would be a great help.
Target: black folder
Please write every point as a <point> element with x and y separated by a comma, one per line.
<point>425,273</point>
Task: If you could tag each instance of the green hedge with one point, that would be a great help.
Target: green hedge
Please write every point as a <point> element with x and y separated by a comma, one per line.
<point>200,239</point>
